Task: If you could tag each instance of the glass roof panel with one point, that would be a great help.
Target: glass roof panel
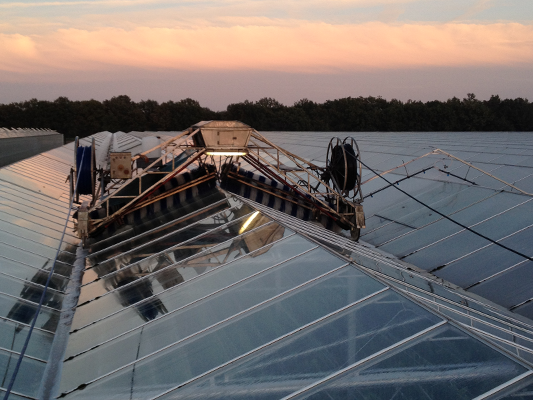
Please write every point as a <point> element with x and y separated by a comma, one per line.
<point>51,239</point>
<point>223,290</point>
<point>443,364</point>
<point>164,249</point>
<point>8,198</point>
<point>21,310</point>
<point>510,288</point>
<point>22,219</point>
<point>13,395</point>
<point>29,376</point>
<point>429,234</point>
<point>237,336</point>
<point>150,276</point>
<point>27,193</point>
<point>176,326</point>
<point>146,222</point>
<point>22,256</point>
<point>26,272</point>
<point>25,244</point>
<point>491,259</point>
<point>189,292</point>
<point>525,184</point>
<point>315,352</point>
<point>29,291</point>
<point>465,242</point>
<point>446,198</point>
<point>13,335</point>
<point>98,253</point>
<point>522,390</point>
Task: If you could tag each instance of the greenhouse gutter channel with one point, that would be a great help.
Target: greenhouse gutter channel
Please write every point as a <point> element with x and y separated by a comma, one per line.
<point>49,388</point>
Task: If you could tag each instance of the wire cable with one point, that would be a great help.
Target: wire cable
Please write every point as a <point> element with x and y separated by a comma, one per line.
<point>448,218</point>
<point>25,347</point>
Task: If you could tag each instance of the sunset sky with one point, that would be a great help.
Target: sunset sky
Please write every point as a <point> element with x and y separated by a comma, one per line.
<point>225,51</point>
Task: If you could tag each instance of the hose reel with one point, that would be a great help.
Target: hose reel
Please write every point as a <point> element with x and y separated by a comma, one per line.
<point>343,169</point>
<point>83,178</point>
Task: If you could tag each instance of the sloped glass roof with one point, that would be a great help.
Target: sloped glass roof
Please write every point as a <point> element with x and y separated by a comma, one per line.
<point>410,231</point>
<point>24,132</point>
<point>230,300</point>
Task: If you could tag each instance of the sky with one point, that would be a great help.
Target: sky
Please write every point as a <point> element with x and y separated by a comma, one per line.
<point>226,51</point>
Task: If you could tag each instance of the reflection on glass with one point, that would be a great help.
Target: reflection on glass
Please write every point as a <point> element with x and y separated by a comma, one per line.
<point>444,364</point>
<point>31,289</point>
<point>29,375</point>
<point>117,234</point>
<point>126,319</point>
<point>136,283</point>
<point>13,335</point>
<point>125,256</point>
<point>189,320</point>
<point>234,337</point>
<point>24,307</point>
<point>121,243</point>
<point>521,390</point>
<point>23,311</point>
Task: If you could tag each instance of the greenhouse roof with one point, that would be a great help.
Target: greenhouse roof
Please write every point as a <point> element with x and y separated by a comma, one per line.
<point>24,132</point>
<point>217,296</point>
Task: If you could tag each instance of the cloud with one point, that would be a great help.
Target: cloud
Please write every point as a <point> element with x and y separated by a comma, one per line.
<point>96,3</point>
<point>99,3</point>
<point>477,7</point>
<point>299,46</point>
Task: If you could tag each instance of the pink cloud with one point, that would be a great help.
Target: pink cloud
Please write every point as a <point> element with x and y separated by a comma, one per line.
<point>296,47</point>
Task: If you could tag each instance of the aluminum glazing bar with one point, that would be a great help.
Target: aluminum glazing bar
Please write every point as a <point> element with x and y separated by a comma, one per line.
<point>364,360</point>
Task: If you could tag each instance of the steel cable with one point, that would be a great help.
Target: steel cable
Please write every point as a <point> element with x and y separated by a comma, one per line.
<point>448,218</point>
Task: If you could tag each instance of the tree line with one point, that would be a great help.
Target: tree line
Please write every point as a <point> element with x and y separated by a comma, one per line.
<point>363,114</point>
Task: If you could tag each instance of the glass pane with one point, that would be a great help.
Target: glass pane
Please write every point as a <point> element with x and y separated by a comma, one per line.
<point>18,191</point>
<point>506,173</point>
<point>184,294</point>
<point>440,229</point>
<point>32,274</point>
<point>30,291</point>
<point>9,197</point>
<point>112,249</point>
<point>444,364</point>
<point>13,336</point>
<point>50,238</point>
<point>145,220</point>
<point>28,377</point>
<point>233,338</point>
<point>25,219</point>
<point>165,245</point>
<point>525,184</point>
<point>24,311</point>
<point>25,244</point>
<point>446,204</point>
<point>509,288</point>
<point>173,327</point>
<point>390,196</point>
<point>465,242</point>
<point>315,352</point>
<point>198,256</point>
<point>480,265</point>
<point>156,274</point>
<point>521,390</point>
<point>12,395</point>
